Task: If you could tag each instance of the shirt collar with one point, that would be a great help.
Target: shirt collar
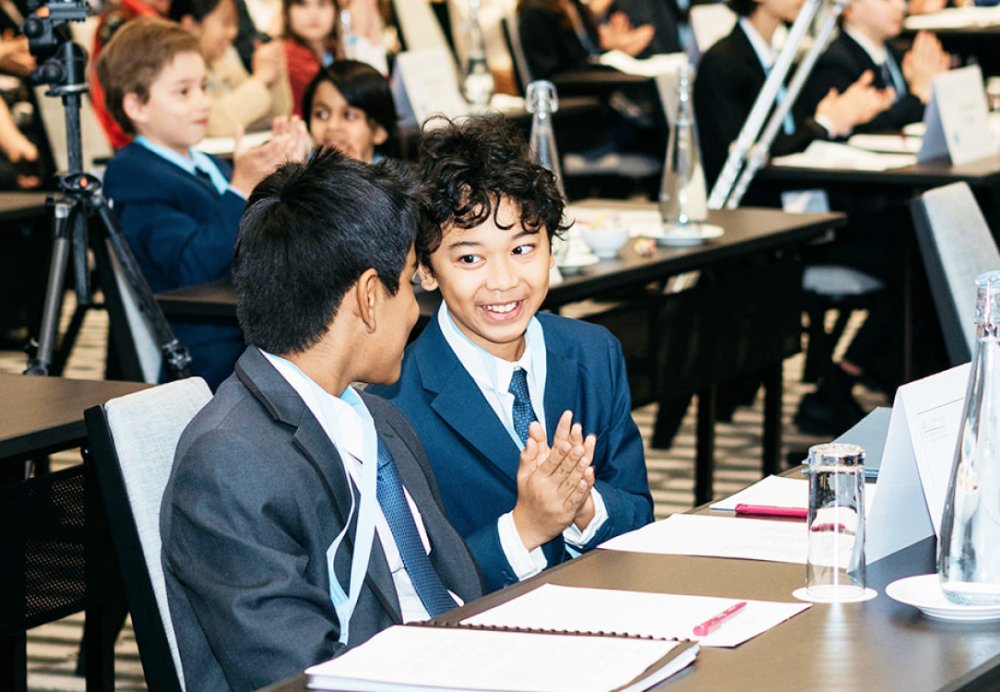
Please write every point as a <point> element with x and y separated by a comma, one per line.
<point>345,419</point>
<point>764,50</point>
<point>194,160</point>
<point>486,369</point>
<point>875,51</point>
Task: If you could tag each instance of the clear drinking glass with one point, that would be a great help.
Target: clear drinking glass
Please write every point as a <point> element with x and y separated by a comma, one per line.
<point>682,192</point>
<point>477,84</point>
<point>835,568</point>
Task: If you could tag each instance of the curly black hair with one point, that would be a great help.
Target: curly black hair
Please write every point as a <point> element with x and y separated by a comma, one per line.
<point>468,166</point>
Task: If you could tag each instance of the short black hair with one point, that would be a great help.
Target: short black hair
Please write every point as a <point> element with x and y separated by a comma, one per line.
<point>196,9</point>
<point>468,166</point>
<point>308,233</point>
<point>363,87</point>
<point>743,8</point>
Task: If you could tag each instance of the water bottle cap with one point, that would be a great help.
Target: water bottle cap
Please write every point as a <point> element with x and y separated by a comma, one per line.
<point>541,97</point>
<point>988,298</point>
<point>836,454</point>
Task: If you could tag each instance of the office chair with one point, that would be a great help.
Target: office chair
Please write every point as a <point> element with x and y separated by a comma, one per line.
<point>132,444</point>
<point>956,246</point>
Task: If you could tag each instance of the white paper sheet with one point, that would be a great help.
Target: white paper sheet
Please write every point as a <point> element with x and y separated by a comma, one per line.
<point>779,491</point>
<point>831,155</point>
<point>667,616</point>
<point>954,18</point>
<point>695,534</point>
<point>409,658</point>
<point>889,144</point>
<point>664,63</point>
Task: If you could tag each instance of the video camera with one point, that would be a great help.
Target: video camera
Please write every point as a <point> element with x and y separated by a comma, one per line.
<point>59,64</point>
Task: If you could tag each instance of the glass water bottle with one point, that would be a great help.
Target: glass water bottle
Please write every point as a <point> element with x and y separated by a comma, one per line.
<point>542,101</point>
<point>969,552</point>
<point>682,193</point>
<point>477,86</point>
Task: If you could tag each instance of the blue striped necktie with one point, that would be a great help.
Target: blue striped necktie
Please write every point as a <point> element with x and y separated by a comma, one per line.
<point>523,413</point>
<point>396,509</point>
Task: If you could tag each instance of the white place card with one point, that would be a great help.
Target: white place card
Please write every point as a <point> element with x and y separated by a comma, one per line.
<point>957,118</point>
<point>424,83</point>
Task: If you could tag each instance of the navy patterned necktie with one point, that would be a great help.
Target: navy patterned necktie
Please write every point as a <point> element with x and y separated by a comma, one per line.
<point>524,414</point>
<point>205,177</point>
<point>396,509</point>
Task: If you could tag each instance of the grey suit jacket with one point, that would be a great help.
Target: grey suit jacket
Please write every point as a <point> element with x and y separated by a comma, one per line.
<point>256,497</point>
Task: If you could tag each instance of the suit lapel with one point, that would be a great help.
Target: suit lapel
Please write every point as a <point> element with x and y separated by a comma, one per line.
<point>311,439</point>
<point>460,404</point>
<point>561,381</point>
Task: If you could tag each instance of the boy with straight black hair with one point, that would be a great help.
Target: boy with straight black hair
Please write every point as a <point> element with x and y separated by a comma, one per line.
<point>301,516</point>
<point>492,385</point>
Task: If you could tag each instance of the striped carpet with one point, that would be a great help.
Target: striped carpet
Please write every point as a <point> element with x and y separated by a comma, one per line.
<point>52,648</point>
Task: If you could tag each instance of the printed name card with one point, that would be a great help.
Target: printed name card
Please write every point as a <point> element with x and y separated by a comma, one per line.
<point>424,84</point>
<point>957,119</point>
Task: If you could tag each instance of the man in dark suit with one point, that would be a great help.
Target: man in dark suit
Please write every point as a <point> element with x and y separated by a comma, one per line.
<point>301,516</point>
<point>863,46</point>
<point>491,378</point>
<point>732,73</point>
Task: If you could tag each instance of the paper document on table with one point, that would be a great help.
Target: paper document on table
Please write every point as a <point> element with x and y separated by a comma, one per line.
<point>832,155</point>
<point>414,657</point>
<point>224,146</point>
<point>696,534</point>
<point>663,63</point>
<point>635,613</point>
<point>778,491</point>
<point>889,144</point>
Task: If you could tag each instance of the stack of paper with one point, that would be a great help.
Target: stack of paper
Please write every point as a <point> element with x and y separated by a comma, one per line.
<point>415,657</point>
<point>831,155</point>
<point>778,491</point>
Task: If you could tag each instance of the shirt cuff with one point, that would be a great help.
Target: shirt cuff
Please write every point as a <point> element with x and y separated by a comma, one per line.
<point>230,188</point>
<point>524,563</point>
<point>578,538</point>
<point>827,125</point>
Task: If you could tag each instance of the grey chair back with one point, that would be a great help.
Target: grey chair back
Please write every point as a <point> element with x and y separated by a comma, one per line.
<point>956,246</point>
<point>132,442</point>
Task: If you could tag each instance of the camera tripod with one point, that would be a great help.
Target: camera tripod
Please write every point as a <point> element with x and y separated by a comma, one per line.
<point>79,198</point>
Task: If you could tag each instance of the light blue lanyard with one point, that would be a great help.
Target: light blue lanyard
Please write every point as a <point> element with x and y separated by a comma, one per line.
<point>344,603</point>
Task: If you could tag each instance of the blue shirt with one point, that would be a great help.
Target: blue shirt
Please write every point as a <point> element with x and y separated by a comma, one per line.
<point>192,163</point>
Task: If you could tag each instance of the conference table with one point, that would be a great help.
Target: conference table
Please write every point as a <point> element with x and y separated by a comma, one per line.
<point>876,645</point>
<point>749,234</point>
<point>54,545</point>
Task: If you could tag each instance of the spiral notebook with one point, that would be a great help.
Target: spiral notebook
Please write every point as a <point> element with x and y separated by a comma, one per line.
<point>420,657</point>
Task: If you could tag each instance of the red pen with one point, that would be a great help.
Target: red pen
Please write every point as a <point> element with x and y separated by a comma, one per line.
<point>770,511</point>
<point>715,623</point>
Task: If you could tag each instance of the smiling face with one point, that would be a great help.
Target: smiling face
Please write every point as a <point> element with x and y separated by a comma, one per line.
<point>333,122</point>
<point>176,113</point>
<point>879,20</point>
<point>493,279</point>
<point>312,21</point>
<point>216,31</point>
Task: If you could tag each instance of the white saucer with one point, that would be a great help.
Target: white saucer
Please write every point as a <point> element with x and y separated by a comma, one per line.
<point>803,595</point>
<point>573,264</point>
<point>685,236</point>
<point>924,592</point>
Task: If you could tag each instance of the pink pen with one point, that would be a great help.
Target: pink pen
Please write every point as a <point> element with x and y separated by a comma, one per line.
<point>771,511</point>
<point>715,622</point>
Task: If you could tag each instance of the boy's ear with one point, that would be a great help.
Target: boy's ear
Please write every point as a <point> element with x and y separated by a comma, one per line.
<point>367,295</point>
<point>427,280</point>
<point>381,134</point>
<point>190,25</point>
<point>134,107</point>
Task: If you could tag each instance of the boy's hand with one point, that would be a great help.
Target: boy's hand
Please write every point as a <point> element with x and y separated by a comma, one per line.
<point>922,62</point>
<point>293,133</point>
<point>552,483</point>
<point>250,166</point>
<point>859,103</point>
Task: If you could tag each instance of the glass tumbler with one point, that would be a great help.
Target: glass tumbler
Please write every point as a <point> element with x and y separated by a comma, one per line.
<point>835,568</point>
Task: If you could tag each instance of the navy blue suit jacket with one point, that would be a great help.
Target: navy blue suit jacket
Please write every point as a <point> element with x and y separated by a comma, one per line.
<point>182,232</point>
<point>474,458</point>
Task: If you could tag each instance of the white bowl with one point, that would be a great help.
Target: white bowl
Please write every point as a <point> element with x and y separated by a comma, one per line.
<point>605,241</point>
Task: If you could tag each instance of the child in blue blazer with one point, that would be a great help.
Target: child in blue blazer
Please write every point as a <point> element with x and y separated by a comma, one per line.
<point>525,416</point>
<point>179,208</point>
